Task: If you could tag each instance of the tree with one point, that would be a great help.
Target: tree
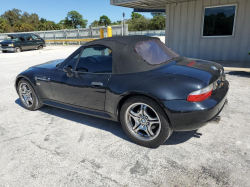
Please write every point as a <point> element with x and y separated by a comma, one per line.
<point>158,14</point>
<point>158,22</point>
<point>135,15</point>
<point>12,16</point>
<point>3,25</point>
<point>94,24</point>
<point>104,21</point>
<point>138,24</point>
<point>116,23</point>
<point>42,20</point>
<point>75,20</point>
<point>41,26</point>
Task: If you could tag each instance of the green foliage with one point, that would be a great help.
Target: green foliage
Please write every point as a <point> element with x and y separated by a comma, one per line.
<point>94,24</point>
<point>158,14</point>
<point>16,21</point>
<point>2,25</point>
<point>12,16</point>
<point>42,20</point>
<point>138,24</point>
<point>135,15</point>
<point>75,20</point>
<point>104,21</point>
<point>157,22</point>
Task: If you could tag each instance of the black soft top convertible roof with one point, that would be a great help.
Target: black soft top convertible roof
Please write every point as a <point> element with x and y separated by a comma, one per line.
<point>125,59</point>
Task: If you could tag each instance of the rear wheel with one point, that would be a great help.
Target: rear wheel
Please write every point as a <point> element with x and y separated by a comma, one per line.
<point>17,50</point>
<point>4,51</point>
<point>40,47</point>
<point>145,122</point>
<point>28,96</point>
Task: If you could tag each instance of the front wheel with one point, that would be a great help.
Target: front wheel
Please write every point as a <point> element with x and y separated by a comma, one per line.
<point>145,122</point>
<point>17,50</point>
<point>28,96</point>
<point>40,47</point>
<point>4,51</point>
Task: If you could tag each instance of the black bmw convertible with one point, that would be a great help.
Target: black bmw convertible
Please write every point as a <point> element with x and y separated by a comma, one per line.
<point>136,80</point>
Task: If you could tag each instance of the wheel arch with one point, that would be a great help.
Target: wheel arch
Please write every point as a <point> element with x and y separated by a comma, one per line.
<point>19,47</point>
<point>125,98</point>
<point>20,77</point>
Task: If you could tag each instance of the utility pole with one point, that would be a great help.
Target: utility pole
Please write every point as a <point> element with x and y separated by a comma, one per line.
<point>123,15</point>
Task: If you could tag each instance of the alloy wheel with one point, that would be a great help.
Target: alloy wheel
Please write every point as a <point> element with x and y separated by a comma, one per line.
<point>26,95</point>
<point>143,121</point>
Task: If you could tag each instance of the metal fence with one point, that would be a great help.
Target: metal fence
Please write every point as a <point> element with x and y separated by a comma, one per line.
<point>148,33</point>
<point>73,33</point>
<point>86,33</point>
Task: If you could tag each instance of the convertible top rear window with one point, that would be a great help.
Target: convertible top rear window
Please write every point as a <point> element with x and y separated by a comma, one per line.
<point>154,52</point>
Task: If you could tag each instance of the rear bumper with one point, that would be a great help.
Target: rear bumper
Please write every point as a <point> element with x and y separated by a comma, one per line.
<point>7,49</point>
<point>187,116</point>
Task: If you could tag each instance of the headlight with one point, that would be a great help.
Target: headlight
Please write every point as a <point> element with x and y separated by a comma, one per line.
<point>11,45</point>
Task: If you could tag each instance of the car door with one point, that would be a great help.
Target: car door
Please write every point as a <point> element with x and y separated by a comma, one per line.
<point>31,43</point>
<point>36,41</point>
<point>86,87</point>
<point>23,43</point>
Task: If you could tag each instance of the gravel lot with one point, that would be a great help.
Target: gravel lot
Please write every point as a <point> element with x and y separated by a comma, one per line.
<point>53,147</point>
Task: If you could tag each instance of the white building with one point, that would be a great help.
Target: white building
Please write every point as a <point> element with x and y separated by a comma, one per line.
<point>217,30</point>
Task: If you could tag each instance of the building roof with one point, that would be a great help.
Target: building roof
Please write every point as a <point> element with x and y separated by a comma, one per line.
<point>144,4</point>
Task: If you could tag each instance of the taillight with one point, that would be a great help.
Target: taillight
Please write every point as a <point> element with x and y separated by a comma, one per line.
<point>201,95</point>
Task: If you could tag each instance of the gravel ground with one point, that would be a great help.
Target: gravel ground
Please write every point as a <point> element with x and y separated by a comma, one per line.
<point>53,147</point>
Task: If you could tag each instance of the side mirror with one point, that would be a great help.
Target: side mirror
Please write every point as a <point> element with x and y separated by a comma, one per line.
<point>68,70</point>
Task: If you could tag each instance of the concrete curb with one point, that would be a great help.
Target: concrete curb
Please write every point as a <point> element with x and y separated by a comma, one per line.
<point>236,69</point>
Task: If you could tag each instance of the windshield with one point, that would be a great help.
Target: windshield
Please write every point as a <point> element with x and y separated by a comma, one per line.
<point>155,52</point>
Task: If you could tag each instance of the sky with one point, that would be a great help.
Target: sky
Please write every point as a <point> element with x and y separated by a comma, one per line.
<point>56,10</point>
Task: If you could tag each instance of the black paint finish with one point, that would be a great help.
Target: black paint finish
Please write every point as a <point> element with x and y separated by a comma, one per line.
<point>102,94</point>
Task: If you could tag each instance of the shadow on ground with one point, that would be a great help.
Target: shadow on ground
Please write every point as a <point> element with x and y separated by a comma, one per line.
<point>181,137</point>
<point>110,126</point>
<point>239,73</point>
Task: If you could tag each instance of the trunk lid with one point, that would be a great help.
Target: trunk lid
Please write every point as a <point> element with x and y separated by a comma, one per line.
<point>205,71</point>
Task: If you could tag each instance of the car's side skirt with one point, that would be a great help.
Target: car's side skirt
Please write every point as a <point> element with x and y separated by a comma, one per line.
<point>100,114</point>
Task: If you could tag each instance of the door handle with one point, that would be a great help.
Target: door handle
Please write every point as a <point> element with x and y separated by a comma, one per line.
<point>97,84</point>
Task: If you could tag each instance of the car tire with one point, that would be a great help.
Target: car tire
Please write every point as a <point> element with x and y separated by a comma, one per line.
<point>4,51</point>
<point>28,96</point>
<point>40,47</point>
<point>17,50</point>
<point>150,134</point>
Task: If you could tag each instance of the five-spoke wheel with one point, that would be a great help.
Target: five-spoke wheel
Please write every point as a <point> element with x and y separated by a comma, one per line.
<point>28,96</point>
<point>144,121</point>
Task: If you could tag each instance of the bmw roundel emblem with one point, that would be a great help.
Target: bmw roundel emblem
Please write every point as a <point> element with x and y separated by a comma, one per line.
<point>214,68</point>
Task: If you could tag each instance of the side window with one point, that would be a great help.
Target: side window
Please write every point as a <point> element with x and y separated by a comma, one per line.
<point>96,59</point>
<point>21,39</point>
<point>71,62</point>
<point>34,37</point>
<point>29,38</point>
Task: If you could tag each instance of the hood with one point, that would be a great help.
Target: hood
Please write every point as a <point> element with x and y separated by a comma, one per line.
<point>7,42</point>
<point>205,71</point>
<point>49,65</point>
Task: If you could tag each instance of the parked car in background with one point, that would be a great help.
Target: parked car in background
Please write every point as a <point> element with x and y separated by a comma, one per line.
<point>19,42</point>
<point>136,80</point>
